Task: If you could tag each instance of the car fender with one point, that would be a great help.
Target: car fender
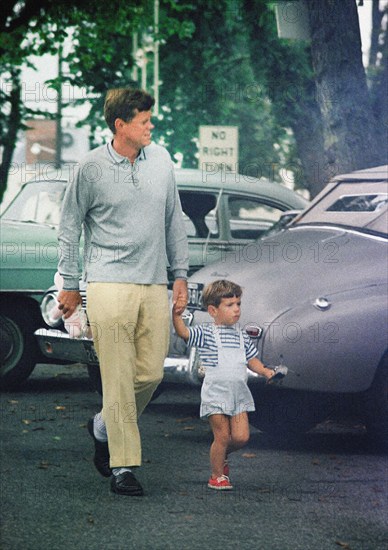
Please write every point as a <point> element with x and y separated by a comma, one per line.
<point>330,344</point>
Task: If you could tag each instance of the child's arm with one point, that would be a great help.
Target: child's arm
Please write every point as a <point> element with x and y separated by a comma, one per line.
<point>257,366</point>
<point>179,325</point>
<point>272,375</point>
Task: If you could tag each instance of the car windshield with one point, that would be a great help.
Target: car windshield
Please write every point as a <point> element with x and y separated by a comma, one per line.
<point>283,222</point>
<point>38,202</point>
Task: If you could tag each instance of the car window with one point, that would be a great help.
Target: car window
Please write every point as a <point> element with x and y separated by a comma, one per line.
<point>250,218</point>
<point>359,203</point>
<point>199,212</point>
<point>37,202</point>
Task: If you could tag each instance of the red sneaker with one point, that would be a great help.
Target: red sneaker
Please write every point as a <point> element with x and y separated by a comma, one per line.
<point>220,483</point>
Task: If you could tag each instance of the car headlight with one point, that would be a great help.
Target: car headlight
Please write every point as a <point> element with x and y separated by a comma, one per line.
<point>49,307</point>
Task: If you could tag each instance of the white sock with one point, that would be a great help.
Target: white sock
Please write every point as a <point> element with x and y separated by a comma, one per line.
<point>99,428</point>
<point>118,471</point>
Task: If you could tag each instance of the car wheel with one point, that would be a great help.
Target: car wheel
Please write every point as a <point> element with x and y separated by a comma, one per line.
<point>19,351</point>
<point>376,406</point>
<point>287,412</point>
<point>95,381</point>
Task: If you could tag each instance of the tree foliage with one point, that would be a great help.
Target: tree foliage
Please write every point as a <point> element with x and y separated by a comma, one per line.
<point>101,58</point>
<point>221,63</point>
<point>284,69</point>
<point>208,78</point>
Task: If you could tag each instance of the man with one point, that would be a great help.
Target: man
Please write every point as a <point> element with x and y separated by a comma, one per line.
<point>125,197</point>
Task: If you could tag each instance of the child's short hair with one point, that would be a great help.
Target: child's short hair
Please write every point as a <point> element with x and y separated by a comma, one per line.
<point>214,292</point>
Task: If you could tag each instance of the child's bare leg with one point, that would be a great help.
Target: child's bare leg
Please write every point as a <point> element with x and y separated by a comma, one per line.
<point>239,432</point>
<point>220,425</point>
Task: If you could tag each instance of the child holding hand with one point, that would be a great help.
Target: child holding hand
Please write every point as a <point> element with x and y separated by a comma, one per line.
<point>225,351</point>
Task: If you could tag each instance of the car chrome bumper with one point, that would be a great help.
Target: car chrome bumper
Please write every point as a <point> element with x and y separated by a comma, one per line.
<point>56,344</point>
<point>182,369</point>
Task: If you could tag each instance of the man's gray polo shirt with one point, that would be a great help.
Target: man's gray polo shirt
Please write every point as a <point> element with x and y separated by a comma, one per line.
<point>132,219</point>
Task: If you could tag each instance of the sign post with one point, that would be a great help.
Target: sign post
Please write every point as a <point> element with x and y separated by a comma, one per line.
<point>218,148</point>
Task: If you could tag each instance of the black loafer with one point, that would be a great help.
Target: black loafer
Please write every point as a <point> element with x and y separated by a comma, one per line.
<point>101,453</point>
<point>126,484</point>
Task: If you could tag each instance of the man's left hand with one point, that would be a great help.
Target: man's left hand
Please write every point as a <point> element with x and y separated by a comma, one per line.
<point>179,296</point>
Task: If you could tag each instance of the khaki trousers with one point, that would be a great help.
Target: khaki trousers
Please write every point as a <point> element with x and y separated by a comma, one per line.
<point>130,326</point>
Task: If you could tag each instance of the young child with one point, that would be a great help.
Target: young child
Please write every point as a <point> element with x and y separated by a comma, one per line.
<point>225,350</point>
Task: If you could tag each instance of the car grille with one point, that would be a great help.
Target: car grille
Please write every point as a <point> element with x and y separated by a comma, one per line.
<point>84,299</point>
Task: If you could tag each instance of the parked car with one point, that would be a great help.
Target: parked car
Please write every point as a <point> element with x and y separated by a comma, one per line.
<point>315,299</point>
<point>221,213</point>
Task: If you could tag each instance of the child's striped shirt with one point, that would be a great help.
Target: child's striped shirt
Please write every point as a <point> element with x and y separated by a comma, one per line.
<point>202,337</point>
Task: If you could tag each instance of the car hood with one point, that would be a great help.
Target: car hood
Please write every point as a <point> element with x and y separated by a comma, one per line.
<point>298,265</point>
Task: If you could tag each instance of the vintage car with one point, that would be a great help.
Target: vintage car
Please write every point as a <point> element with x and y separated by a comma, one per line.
<point>315,299</point>
<point>220,211</point>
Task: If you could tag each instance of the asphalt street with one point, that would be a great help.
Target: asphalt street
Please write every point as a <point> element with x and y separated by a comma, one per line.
<point>323,491</point>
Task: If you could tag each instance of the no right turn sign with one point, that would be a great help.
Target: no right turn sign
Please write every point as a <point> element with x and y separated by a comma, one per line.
<point>218,148</point>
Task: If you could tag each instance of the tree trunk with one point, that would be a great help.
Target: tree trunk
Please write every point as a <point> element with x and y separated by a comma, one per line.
<point>351,139</point>
<point>378,70</point>
<point>9,141</point>
<point>308,134</point>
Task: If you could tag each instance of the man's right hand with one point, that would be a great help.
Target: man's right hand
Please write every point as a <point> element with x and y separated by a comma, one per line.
<point>68,301</point>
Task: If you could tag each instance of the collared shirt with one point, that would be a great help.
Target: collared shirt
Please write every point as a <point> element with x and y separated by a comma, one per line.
<point>131,216</point>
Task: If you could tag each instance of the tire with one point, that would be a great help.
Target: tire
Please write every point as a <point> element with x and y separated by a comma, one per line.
<point>287,412</point>
<point>96,384</point>
<point>19,351</point>
<point>376,406</point>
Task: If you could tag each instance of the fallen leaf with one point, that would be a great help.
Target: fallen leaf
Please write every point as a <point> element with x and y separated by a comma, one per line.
<point>44,465</point>
<point>249,455</point>
<point>60,408</point>
<point>189,428</point>
<point>343,545</point>
<point>13,402</point>
<point>57,438</point>
<point>26,421</point>
<point>187,419</point>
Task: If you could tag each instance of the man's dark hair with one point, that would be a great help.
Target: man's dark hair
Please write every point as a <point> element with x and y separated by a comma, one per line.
<point>214,292</point>
<point>125,103</point>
